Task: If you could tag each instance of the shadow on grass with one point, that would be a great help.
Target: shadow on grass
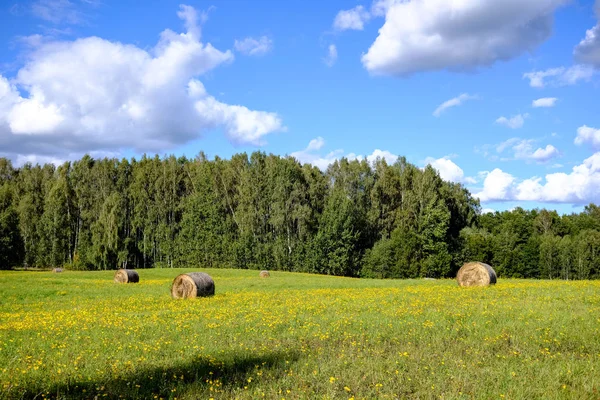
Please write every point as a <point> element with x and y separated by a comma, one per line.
<point>193,379</point>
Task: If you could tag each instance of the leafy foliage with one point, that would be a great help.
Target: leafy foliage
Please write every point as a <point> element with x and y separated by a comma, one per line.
<point>262,211</point>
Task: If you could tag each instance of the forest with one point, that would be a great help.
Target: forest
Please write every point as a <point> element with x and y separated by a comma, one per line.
<point>264,211</point>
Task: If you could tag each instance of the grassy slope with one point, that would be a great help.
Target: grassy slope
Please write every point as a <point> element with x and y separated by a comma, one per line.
<point>79,335</point>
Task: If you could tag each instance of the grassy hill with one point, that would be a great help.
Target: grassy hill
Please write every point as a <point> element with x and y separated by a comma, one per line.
<point>80,335</point>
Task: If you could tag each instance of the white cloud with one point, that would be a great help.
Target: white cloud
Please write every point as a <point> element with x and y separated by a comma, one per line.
<point>47,118</point>
<point>507,144</point>
<point>354,19</point>
<point>586,134</point>
<point>496,186</point>
<point>588,50</point>
<point>380,7</point>
<point>254,47</point>
<point>241,124</point>
<point>316,144</point>
<point>523,149</point>
<point>448,170</point>
<point>425,35</point>
<point>456,101</point>
<point>95,95</point>
<point>514,122</point>
<point>580,186</point>
<point>357,17</point>
<point>310,156</point>
<point>544,102</point>
<point>389,157</point>
<point>487,211</point>
<point>545,154</point>
<point>332,56</point>
<point>559,76</point>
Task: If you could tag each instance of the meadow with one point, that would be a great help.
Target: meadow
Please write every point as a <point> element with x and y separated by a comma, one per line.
<point>296,336</point>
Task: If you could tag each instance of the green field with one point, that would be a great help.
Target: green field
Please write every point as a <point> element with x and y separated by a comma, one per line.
<point>79,335</point>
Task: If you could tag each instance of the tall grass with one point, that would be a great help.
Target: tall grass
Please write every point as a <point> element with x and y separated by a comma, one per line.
<point>80,335</point>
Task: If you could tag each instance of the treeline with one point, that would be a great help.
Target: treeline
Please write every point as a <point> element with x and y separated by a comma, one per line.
<point>264,211</point>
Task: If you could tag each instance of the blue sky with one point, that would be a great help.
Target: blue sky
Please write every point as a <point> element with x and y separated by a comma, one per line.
<point>446,83</point>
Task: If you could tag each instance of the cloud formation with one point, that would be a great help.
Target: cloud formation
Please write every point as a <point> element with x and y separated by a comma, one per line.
<point>449,171</point>
<point>332,55</point>
<point>454,102</point>
<point>427,35</point>
<point>60,11</point>
<point>559,76</point>
<point>580,186</point>
<point>254,47</point>
<point>544,102</point>
<point>353,19</point>
<point>514,122</point>
<point>586,134</point>
<point>588,50</point>
<point>357,17</point>
<point>91,94</point>
<point>524,149</point>
<point>310,155</point>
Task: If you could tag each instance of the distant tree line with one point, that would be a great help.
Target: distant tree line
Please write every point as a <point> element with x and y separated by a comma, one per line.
<point>264,211</point>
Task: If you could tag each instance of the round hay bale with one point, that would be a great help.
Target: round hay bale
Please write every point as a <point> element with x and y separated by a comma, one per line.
<point>57,270</point>
<point>264,274</point>
<point>127,276</point>
<point>476,274</point>
<point>193,284</point>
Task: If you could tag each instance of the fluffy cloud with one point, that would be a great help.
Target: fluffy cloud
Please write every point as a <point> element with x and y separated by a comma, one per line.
<point>456,101</point>
<point>588,50</point>
<point>514,122</point>
<point>241,124</point>
<point>523,149</point>
<point>310,155</point>
<point>586,134</point>
<point>332,55</point>
<point>559,76</point>
<point>580,186</point>
<point>544,154</point>
<point>449,171</point>
<point>315,144</point>
<point>357,17</point>
<point>254,47</point>
<point>351,19</point>
<point>389,157</point>
<point>544,102</point>
<point>496,186</point>
<point>424,35</point>
<point>95,95</point>
<point>380,7</point>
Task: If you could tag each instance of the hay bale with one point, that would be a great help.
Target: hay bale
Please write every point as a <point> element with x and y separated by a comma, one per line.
<point>127,276</point>
<point>264,274</point>
<point>193,284</point>
<point>57,270</point>
<point>476,274</point>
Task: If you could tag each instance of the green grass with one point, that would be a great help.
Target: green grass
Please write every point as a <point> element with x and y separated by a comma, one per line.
<point>79,335</point>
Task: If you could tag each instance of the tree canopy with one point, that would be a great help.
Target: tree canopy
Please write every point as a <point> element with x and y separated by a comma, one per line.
<point>264,211</point>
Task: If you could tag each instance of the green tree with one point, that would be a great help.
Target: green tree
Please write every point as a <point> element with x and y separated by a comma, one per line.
<point>11,245</point>
<point>550,256</point>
